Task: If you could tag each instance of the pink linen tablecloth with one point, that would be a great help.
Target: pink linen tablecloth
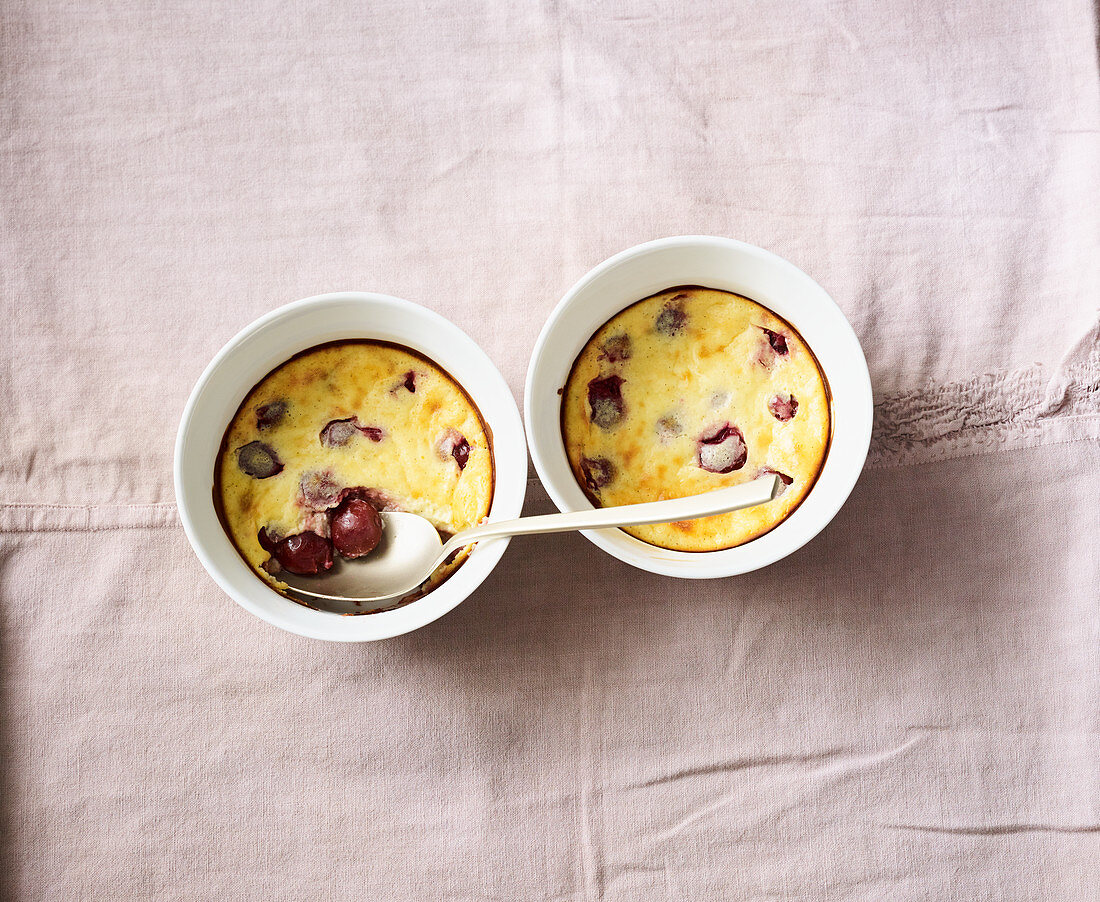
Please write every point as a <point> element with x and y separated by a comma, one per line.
<point>907,708</point>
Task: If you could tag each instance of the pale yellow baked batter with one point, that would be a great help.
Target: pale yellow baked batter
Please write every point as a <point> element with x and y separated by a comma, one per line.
<point>692,390</point>
<point>404,445</point>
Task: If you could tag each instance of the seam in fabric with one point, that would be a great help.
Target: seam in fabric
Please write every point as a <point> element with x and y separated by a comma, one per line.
<point>978,452</point>
<point>992,412</point>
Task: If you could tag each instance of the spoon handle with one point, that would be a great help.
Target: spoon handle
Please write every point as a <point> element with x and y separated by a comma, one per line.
<point>720,501</point>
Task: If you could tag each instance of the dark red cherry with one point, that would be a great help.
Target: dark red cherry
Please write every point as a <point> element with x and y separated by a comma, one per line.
<point>259,460</point>
<point>452,443</point>
<point>605,401</point>
<point>670,321</point>
<point>783,407</point>
<point>722,450</point>
<point>777,340</point>
<point>461,453</point>
<point>318,490</point>
<point>306,553</point>
<point>598,472</point>
<point>409,381</point>
<point>338,432</point>
<point>617,348</point>
<point>355,527</point>
<point>266,539</point>
<point>271,414</point>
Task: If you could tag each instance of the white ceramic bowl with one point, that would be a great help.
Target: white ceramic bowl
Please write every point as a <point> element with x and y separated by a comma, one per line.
<point>271,340</point>
<point>730,265</point>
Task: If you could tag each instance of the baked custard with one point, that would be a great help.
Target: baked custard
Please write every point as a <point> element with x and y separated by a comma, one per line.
<point>337,434</point>
<point>692,390</point>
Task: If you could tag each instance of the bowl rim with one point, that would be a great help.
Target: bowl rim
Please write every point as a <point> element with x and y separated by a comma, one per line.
<point>779,541</point>
<point>509,488</point>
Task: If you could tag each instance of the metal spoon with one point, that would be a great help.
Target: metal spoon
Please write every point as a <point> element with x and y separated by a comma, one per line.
<point>411,548</point>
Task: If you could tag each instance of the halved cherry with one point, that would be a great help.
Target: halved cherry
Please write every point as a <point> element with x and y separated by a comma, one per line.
<point>777,340</point>
<point>598,472</point>
<point>461,453</point>
<point>271,414</point>
<point>668,427</point>
<point>452,443</point>
<point>617,348</point>
<point>259,460</point>
<point>318,490</point>
<point>723,449</point>
<point>670,321</point>
<point>605,401</point>
<point>783,406</point>
<point>338,433</point>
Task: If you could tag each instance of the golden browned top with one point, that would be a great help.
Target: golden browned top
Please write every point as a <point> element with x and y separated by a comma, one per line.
<point>403,417</point>
<point>690,390</point>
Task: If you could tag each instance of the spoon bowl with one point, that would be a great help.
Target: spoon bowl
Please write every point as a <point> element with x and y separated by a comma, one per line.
<point>408,552</point>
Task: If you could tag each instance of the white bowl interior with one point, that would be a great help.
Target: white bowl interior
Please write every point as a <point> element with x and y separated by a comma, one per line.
<point>730,265</point>
<point>270,341</point>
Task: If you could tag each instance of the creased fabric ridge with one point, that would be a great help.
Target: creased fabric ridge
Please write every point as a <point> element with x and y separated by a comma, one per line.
<point>1018,409</point>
